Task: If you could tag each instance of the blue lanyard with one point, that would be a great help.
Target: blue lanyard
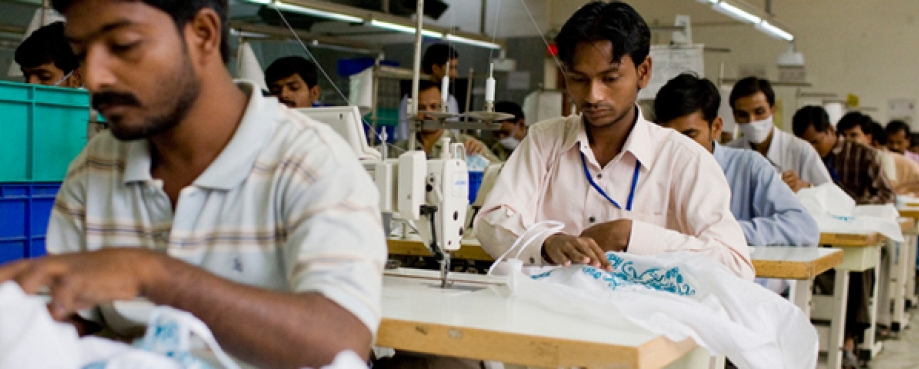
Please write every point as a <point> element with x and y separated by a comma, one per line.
<point>628,206</point>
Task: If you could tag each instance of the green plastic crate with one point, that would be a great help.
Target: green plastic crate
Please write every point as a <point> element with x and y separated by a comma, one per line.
<point>42,129</point>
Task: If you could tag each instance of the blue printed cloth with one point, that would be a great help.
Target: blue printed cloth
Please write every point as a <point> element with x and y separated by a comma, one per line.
<point>626,274</point>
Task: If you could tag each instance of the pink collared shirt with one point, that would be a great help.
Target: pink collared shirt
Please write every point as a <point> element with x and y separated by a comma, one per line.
<point>681,199</point>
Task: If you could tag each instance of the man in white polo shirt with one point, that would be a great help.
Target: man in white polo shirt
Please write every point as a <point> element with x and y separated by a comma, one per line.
<point>208,197</point>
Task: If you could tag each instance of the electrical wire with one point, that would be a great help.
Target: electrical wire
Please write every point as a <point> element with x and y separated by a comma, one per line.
<point>326,75</point>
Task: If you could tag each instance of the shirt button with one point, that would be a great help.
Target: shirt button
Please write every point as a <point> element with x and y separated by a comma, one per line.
<point>532,261</point>
<point>599,176</point>
<point>592,219</point>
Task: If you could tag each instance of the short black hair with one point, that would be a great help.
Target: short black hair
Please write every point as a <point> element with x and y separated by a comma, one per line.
<point>877,133</point>
<point>914,139</point>
<point>897,126</point>
<point>855,119</point>
<point>290,65</point>
<point>686,94</point>
<point>751,86</point>
<point>426,84</point>
<point>181,11</point>
<point>437,54</point>
<point>616,22</point>
<point>47,45</point>
<point>810,116</point>
<point>510,107</point>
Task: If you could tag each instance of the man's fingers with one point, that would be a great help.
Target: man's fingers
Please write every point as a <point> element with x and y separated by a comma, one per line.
<point>601,256</point>
<point>585,247</point>
<point>557,257</point>
<point>575,255</point>
<point>10,271</point>
<point>36,276</point>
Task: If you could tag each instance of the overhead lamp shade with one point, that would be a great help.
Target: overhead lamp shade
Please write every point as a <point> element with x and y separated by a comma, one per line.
<point>51,16</point>
<point>248,68</point>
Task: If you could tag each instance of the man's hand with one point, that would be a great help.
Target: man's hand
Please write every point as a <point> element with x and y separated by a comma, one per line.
<point>80,281</point>
<point>562,249</point>
<point>791,178</point>
<point>610,236</point>
<point>474,146</point>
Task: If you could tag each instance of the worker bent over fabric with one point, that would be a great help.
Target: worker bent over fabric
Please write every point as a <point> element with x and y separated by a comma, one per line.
<point>617,182</point>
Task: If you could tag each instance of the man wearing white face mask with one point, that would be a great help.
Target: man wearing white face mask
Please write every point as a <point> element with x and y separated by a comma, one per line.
<point>512,130</point>
<point>753,103</point>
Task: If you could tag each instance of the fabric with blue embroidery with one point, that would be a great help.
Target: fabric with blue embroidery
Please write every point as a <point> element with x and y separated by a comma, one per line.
<point>678,295</point>
<point>625,274</point>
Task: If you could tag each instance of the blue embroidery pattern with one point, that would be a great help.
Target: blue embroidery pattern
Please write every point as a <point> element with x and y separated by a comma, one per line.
<point>624,274</point>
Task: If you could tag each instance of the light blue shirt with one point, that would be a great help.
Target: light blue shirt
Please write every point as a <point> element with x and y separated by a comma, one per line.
<point>766,208</point>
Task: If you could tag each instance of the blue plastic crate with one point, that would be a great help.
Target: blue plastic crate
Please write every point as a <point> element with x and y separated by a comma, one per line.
<point>475,181</point>
<point>24,212</point>
<point>43,129</point>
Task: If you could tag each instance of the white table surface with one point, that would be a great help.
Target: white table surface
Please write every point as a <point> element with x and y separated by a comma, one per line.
<point>490,307</point>
<point>478,319</point>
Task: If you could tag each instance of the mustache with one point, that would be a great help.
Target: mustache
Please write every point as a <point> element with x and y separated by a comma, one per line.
<point>109,98</point>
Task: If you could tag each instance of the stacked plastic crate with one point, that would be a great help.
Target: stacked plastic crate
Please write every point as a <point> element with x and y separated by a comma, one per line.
<point>42,129</point>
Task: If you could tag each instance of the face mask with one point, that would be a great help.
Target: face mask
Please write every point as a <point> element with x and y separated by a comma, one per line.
<point>509,142</point>
<point>58,83</point>
<point>758,131</point>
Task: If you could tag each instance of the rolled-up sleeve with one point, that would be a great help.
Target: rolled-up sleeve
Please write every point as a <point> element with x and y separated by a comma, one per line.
<point>511,207</point>
<point>701,207</point>
<point>336,245</point>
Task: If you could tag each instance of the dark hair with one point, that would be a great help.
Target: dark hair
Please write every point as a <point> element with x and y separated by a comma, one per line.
<point>810,116</point>
<point>290,65</point>
<point>426,84</point>
<point>686,94</point>
<point>615,22</point>
<point>914,139</point>
<point>751,86</point>
<point>437,54</point>
<point>877,133</point>
<point>855,119</point>
<point>181,11</point>
<point>509,107</point>
<point>47,45</point>
<point>897,126</point>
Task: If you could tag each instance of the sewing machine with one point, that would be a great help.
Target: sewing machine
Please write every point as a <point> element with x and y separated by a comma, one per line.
<point>431,193</point>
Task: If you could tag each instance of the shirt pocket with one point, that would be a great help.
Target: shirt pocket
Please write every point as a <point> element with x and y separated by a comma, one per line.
<point>656,218</point>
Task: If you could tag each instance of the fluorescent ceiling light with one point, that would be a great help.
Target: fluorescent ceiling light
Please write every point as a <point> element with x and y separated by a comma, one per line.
<point>309,11</point>
<point>736,13</point>
<point>403,28</point>
<point>771,30</point>
<point>464,40</point>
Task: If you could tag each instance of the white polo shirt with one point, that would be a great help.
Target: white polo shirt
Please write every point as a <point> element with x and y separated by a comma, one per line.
<point>285,206</point>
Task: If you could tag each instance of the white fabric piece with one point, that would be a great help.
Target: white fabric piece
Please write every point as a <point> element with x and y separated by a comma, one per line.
<point>836,212</point>
<point>681,295</point>
<point>346,360</point>
<point>361,91</point>
<point>248,67</point>
<point>27,332</point>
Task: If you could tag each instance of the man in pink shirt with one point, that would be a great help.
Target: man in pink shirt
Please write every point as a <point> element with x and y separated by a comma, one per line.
<point>616,181</point>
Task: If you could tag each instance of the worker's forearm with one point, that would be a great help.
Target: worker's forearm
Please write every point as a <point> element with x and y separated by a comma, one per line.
<point>266,328</point>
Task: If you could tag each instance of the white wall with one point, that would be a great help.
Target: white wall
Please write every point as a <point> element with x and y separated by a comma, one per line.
<point>868,48</point>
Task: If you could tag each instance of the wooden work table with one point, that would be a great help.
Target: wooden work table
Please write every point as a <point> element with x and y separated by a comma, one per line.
<point>790,262</point>
<point>478,319</point>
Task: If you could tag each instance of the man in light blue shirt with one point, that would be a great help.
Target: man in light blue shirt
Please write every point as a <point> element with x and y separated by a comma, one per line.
<point>765,207</point>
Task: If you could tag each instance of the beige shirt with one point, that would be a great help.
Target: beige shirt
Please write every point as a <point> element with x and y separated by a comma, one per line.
<point>681,198</point>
